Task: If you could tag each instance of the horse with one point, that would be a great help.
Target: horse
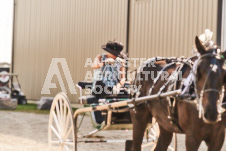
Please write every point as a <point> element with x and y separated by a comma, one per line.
<point>177,114</point>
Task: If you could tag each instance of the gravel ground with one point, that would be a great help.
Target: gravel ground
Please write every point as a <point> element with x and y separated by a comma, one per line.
<point>28,132</point>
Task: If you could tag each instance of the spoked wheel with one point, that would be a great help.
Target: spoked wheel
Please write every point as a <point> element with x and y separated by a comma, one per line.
<point>61,135</point>
<point>151,137</point>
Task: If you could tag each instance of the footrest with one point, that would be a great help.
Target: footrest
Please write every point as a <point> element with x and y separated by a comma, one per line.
<point>90,99</point>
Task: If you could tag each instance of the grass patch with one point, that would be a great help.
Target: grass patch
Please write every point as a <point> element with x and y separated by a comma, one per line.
<point>32,108</point>
<point>29,108</point>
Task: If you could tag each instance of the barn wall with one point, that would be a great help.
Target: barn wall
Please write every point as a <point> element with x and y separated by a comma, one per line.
<point>223,43</point>
<point>71,29</point>
<point>169,27</point>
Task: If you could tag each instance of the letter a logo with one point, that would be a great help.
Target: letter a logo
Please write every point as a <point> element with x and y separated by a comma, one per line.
<point>54,70</point>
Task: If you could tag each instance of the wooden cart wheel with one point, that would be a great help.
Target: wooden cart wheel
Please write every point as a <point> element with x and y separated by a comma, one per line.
<point>61,133</point>
<point>151,137</point>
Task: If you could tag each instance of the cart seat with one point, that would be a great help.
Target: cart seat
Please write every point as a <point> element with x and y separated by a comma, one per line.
<point>118,96</point>
<point>90,99</point>
<point>85,84</point>
<point>123,94</point>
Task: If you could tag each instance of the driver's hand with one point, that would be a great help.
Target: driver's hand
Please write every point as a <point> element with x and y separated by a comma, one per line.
<point>116,90</point>
<point>110,61</point>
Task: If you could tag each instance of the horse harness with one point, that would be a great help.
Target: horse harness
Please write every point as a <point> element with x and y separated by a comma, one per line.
<point>170,85</point>
<point>187,85</point>
<point>214,68</point>
<point>134,90</point>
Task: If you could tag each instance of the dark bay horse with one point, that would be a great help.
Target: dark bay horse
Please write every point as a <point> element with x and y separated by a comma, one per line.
<point>209,78</point>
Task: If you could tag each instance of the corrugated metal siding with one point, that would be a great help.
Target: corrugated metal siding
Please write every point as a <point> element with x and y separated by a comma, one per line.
<point>224,26</point>
<point>75,30</point>
<point>169,27</point>
<point>72,29</point>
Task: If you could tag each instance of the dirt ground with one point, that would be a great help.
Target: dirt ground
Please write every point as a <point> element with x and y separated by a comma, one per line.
<point>28,132</point>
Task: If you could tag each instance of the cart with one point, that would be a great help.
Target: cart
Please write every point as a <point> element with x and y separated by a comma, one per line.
<point>64,130</point>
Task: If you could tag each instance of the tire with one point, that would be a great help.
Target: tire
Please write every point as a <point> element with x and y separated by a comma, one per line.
<point>23,101</point>
<point>61,133</point>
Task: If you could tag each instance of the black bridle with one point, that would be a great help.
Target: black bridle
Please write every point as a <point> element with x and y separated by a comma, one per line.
<point>215,63</point>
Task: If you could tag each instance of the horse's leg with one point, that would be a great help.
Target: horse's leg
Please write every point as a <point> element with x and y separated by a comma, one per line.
<point>164,140</point>
<point>216,143</point>
<point>140,119</point>
<point>192,144</point>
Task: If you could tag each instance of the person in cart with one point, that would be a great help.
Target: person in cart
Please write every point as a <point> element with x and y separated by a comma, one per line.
<point>109,69</point>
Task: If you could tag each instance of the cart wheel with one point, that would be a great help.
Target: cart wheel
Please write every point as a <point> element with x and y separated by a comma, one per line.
<point>151,137</point>
<point>61,135</point>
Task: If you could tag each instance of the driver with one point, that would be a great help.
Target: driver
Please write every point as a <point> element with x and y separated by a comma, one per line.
<point>110,67</point>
